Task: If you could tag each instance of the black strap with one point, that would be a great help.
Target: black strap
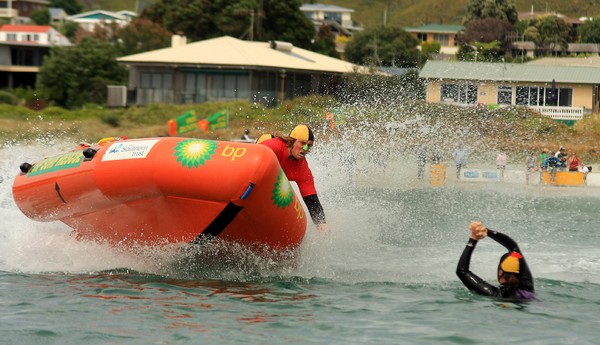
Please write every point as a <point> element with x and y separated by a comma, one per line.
<point>219,224</point>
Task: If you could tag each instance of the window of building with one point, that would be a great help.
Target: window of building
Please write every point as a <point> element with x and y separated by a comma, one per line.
<point>544,96</point>
<point>504,95</point>
<point>23,57</point>
<point>151,80</point>
<point>337,17</point>
<point>200,87</point>
<point>11,37</point>
<point>421,36</point>
<point>444,39</point>
<point>459,93</point>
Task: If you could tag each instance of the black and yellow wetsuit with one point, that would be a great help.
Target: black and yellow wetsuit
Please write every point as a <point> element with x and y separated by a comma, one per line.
<point>474,283</point>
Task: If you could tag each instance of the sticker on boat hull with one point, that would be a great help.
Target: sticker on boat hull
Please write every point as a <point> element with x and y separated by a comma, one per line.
<point>128,150</point>
<point>61,162</point>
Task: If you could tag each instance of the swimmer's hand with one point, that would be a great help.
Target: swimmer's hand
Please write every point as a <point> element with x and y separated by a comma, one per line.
<point>478,230</point>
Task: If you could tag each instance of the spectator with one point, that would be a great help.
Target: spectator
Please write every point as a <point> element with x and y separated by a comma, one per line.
<point>574,162</point>
<point>530,164</point>
<point>421,161</point>
<point>552,164</point>
<point>246,136</point>
<point>461,156</point>
<point>501,160</point>
<point>562,157</point>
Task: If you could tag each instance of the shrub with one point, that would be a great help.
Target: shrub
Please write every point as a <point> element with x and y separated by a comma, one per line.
<point>8,98</point>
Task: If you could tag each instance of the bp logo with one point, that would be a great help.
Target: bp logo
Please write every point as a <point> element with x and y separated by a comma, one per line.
<point>194,152</point>
<point>282,192</point>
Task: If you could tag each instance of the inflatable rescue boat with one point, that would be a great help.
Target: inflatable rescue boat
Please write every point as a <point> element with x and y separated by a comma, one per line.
<point>165,190</point>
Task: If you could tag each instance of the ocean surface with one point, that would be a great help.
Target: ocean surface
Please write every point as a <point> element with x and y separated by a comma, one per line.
<point>385,275</point>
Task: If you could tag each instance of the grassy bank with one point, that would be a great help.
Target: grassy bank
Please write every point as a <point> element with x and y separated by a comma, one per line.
<point>399,126</point>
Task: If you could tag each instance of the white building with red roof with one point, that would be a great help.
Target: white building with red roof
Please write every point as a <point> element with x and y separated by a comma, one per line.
<point>33,34</point>
<point>22,51</point>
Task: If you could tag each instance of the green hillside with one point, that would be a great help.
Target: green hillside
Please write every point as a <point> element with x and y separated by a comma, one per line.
<point>418,12</point>
<point>404,12</point>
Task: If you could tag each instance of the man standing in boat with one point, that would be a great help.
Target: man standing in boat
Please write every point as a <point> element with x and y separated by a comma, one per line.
<point>291,152</point>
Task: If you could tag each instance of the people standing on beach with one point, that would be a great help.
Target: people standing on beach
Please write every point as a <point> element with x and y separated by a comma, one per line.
<point>543,157</point>
<point>501,161</point>
<point>562,157</point>
<point>552,164</point>
<point>574,162</point>
<point>246,135</point>
<point>530,166</point>
<point>461,156</point>
<point>421,161</point>
<point>291,152</point>
<point>514,276</point>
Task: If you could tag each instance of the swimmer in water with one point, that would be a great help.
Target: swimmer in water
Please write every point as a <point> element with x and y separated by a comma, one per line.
<point>514,276</point>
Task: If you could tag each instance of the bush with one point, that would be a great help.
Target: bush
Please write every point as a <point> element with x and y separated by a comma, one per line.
<point>8,98</point>
<point>112,120</point>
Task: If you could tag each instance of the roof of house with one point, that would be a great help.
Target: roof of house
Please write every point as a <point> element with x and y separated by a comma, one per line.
<point>589,61</point>
<point>98,15</point>
<point>324,8</point>
<point>229,52</point>
<point>57,13</point>
<point>533,15</point>
<point>25,28</point>
<point>508,72</point>
<point>439,28</point>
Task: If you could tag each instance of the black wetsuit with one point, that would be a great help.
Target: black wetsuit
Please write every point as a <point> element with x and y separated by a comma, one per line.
<point>474,283</point>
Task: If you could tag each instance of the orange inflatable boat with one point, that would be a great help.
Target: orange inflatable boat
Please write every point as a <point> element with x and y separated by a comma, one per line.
<point>165,190</point>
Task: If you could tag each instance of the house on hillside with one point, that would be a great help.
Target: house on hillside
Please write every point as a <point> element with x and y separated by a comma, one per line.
<point>19,11</point>
<point>339,19</point>
<point>226,68</point>
<point>522,48</point>
<point>88,20</point>
<point>57,15</point>
<point>445,34</point>
<point>560,92</point>
<point>22,50</point>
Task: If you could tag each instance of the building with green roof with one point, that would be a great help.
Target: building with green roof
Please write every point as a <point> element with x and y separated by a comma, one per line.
<point>445,34</point>
<point>561,92</point>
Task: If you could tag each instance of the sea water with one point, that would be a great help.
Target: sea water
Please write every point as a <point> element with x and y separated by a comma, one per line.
<point>385,274</point>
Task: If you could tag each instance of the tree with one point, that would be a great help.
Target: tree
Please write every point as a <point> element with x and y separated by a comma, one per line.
<point>70,6</point>
<point>41,17</point>
<point>202,19</point>
<point>141,35</point>
<point>486,31</point>
<point>553,33</point>
<point>75,75</point>
<point>500,9</point>
<point>589,31</point>
<point>325,42</point>
<point>481,51</point>
<point>384,46</point>
<point>430,48</point>
<point>284,21</point>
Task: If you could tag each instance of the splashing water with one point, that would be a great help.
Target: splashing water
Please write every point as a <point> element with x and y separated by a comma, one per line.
<point>387,225</point>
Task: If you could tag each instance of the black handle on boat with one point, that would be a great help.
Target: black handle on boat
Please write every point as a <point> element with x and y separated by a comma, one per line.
<point>25,167</point>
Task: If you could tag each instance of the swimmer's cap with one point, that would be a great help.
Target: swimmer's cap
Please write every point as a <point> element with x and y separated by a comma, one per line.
<point>511,263</point>
<point>264,137</point>
<point>302,132</point>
